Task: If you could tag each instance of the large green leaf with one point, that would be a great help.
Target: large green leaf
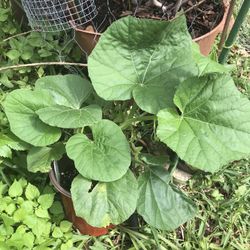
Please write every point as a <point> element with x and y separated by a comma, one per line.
<point>106,157</point>
<point>67,90</point>
<point>39,159</point>
<point>205,64</point>
<point>214,125</point>
<point>69,93</point>
<point>142,58</point>
<point>66,117</point>
<point>20,108</point>
<point>160,203</point>
<point>107,203</point>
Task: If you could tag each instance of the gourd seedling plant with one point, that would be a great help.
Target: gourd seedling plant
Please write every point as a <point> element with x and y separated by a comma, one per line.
<point>151,92</point>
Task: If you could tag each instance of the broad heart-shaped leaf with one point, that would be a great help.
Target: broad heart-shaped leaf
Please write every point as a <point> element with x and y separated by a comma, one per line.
<point>20,108</point>
<point>142,58</point>
<point>205,64</point>
<point>66,117</point>
<point>107,203</point>
<point>67,90</point>
<point>39,159</point>
<point>106,158</point>
<point>160,203</point>
<point>214,125</point>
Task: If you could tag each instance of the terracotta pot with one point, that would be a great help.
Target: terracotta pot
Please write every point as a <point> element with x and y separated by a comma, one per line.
<point>87,39</point>
<point>78,222</point>
<point>206,41</point>
<point>19,13</point>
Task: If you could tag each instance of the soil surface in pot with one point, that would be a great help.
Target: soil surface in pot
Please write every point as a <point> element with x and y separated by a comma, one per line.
<point>67,172</point>
<point>202,16</point>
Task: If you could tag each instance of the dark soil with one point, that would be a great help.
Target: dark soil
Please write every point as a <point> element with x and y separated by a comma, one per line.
<point>67,172</point>
<point>202,15</point>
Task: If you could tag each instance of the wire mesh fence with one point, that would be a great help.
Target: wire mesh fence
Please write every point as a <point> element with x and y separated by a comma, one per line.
<point>58,15</point>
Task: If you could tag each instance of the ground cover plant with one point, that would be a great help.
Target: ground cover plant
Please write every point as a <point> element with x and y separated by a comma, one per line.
<point>172,85</point>
<point>25,47</point>
<point>33,220</point>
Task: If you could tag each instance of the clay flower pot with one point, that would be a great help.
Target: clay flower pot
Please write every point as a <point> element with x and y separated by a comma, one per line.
<point>78,222</point>
<point>87,39</point>
<point>206,41</point>
<point>18,13</point>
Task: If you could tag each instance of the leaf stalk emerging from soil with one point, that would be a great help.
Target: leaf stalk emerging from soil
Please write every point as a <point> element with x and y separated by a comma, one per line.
<point>128,122</point>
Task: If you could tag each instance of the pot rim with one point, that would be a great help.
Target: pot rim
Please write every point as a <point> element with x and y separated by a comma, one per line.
<point>55,183</point>
<point>226,7</point>
<point>217,27</point>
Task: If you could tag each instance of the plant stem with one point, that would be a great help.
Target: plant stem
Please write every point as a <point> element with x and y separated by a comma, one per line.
<point>189,9</point>
<point>17,35</point>
<point>174,165</point>
<point>177,6</point>
<point>5,178</point>
<point>127,123</point>
<point>15,168</point>
<point>224,33</point>
<point>234,32</point>
<point>18,66</point>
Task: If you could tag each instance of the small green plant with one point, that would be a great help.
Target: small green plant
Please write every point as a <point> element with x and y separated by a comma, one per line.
<point>18,47</point>
<point>160,96</point>
<point>25,219</point>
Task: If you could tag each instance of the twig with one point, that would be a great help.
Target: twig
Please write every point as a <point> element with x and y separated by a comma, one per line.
<point>173,165</point>
<point>4,177</point>
<point>41,64</point>
<point>184,12</point>
<point>17,35</point>
<point>177,6</point>
<point>226,26</point>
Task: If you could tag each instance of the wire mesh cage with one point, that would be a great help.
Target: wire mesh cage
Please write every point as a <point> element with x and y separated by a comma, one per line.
<point>58,15</point>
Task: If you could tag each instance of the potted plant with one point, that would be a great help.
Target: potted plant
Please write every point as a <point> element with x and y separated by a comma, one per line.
<point>205,19</point>
<point>158,100</point>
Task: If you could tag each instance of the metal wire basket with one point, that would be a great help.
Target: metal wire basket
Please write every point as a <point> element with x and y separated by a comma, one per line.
<point>58,15</point>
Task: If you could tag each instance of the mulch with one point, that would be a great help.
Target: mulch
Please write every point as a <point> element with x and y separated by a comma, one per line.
<point>202,15</point>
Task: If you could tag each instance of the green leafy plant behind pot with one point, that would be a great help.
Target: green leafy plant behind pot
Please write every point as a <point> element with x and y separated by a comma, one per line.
<point>149,66</point>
